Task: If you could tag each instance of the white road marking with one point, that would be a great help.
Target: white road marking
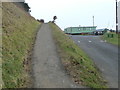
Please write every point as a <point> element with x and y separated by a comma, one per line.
<point>89,41</point>
<point>72,85</point>
<point>101,41</point>
<point>78,41</point>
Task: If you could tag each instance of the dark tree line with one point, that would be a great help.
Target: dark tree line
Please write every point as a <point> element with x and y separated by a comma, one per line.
<point>26,6</point>
<point>41,20</point>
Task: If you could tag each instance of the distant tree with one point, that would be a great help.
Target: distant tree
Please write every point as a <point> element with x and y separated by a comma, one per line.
<point>54,18</point>
<point>42,20</point>
<point>53,21</point>
<point>38,20</point>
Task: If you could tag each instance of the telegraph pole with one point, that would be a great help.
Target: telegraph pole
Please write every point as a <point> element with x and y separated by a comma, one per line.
<point>93,21</point>
<point>116,17</point>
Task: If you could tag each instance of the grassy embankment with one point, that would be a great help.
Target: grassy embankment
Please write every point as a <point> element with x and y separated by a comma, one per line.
<point>113,40</point>
<point>76,62</point>
<point>19,30</point>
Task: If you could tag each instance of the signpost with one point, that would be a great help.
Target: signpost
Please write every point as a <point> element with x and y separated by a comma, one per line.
<point>116,17</point>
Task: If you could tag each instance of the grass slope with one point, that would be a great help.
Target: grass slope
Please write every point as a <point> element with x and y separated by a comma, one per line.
<point>114,40</point>
<point>19,30</point>
<point>76,62</point>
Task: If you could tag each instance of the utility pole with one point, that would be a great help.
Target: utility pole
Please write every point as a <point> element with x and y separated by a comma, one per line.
<point>93,21</point>
<point>116,17</point>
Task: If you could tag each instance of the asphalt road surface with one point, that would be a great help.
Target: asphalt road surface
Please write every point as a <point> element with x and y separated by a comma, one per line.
<point>104,55</point>
<point>48,71</point>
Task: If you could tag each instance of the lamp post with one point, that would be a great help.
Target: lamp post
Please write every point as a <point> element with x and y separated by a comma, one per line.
<point>93,21</point>
<point>116,17</point>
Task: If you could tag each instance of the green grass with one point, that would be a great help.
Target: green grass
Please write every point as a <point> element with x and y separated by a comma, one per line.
<point>76,62</point>
<point>114,40</point>
<point>19,30</point>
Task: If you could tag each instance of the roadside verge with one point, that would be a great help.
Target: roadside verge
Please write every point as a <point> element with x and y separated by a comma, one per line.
<point>80,67</point>
<point>18,35</point>
<point>112,38</point>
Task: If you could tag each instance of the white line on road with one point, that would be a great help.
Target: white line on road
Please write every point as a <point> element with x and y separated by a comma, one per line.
<point>78,41</point>
<point>89,41</point>
<point>102,41</point>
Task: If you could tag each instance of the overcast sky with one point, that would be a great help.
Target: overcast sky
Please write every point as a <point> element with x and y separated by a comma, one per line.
<point>72,13</point>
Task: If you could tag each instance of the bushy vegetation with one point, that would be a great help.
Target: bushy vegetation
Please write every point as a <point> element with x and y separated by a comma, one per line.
<point>19,30</point>
<point>76,62</point>
<point>23,6</point>
<point>112,38</point>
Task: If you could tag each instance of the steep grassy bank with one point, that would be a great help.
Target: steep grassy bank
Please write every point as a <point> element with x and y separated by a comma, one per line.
<point>19,30</point>
<point>77,63</point>
<point>112,38</point>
